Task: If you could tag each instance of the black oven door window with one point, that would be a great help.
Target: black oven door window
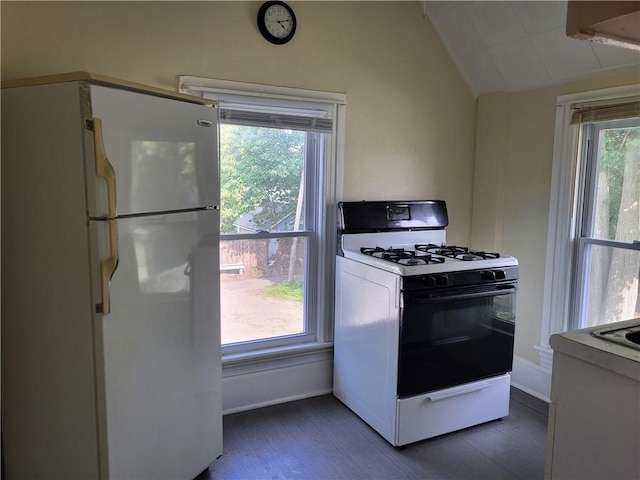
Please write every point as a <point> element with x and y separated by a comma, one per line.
<point>455,336</point>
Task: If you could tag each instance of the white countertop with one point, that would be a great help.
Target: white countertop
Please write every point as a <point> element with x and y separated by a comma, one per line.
<point>598,351</point>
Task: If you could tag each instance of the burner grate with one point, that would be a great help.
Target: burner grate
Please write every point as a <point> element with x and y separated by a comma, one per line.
<point>453,251</point>
<point>402,256</point>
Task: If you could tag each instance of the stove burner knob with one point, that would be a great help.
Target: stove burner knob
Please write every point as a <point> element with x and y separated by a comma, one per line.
<point>430,281</point>
<point>442,280</point>
<point>488,275</point>
<point>501,274</point>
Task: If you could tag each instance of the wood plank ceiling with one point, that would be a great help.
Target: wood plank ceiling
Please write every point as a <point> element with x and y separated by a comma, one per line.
<point>513,46</point>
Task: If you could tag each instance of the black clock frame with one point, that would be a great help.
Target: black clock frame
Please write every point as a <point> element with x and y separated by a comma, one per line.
<point>263,28</point>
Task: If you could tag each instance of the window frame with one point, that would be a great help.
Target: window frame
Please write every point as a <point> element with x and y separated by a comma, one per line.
<point>326,185</point>
<point>313,177</point>
<point>564,214</point>
<point>585,239</point>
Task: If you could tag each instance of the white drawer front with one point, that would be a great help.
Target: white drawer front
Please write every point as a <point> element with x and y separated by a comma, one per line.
<point>445,411</point>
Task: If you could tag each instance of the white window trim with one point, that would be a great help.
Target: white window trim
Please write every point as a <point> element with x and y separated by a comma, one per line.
<point>562,218</point>
<point>195,85</point>
<point>334,174</point>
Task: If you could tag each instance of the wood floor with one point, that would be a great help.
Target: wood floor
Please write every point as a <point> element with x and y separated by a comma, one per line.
<point>320,438</point>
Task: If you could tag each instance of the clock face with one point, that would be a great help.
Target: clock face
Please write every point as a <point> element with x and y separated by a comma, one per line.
<point>277,22</point>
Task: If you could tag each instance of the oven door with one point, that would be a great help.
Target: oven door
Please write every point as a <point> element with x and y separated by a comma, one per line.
<point>454,336</point>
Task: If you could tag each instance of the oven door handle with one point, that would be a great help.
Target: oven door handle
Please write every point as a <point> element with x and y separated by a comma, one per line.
<point>422,298</point>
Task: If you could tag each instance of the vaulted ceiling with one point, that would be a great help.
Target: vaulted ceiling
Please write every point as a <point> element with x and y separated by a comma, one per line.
<point>513,46</point>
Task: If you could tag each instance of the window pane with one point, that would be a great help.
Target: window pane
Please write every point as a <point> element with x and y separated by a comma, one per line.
<point>261,173</point>
<point>617,185</point>
<point>612,285</point>
<point>262,179</point>
<point>262,288</point>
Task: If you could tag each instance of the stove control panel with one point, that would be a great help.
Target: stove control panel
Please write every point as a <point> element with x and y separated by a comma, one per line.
<point>436,280</point>
<point>491,275</point>
<point>460,278</point>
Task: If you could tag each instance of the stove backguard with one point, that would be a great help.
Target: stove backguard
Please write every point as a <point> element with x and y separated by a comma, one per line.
<point>389,216</point>
<point>380,216</point>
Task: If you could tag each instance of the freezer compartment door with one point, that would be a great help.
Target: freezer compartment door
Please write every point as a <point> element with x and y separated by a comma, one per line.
<point>163,152</point>
<point>159,347</point>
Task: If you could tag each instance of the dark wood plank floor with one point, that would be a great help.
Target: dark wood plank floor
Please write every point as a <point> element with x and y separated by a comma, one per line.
<point>320,438</point>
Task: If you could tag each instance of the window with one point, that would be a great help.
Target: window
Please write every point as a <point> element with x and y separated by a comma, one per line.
<point>593,249</point>
<point>278,158</point>
<point>608,233</point>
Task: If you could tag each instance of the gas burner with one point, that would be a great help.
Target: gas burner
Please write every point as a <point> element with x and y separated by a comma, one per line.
<point>418,258</point>
<point>402,256</point>
<point>459,253</point>
<point>392,254</point>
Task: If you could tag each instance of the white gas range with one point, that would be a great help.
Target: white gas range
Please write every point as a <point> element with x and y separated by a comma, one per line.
<point>424,330</point>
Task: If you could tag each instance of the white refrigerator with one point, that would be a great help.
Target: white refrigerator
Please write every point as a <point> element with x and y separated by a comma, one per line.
<point>110,281</point>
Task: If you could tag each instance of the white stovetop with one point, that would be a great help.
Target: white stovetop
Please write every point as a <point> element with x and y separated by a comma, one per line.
<point>351,244</point>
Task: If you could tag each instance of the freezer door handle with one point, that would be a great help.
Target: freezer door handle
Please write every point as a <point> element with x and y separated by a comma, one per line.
<point>107,268</point>
<point>104,169</point>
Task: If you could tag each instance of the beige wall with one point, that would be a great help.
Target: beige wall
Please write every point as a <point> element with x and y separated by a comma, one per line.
<point>409,110</point>
<point>514,157</point>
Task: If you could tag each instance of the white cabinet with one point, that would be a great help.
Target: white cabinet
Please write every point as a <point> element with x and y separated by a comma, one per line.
<point>594,416</point>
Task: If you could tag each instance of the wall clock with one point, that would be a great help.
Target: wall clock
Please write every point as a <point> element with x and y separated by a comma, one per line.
<point>277,22</point>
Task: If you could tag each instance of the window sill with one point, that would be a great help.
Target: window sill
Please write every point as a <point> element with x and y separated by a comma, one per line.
<point>267,359</point>
<point>546,356</point>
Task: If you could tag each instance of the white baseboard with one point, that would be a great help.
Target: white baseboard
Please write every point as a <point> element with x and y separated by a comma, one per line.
<point>279,380</point>
<point>531,378</point>
<point>276,380</point>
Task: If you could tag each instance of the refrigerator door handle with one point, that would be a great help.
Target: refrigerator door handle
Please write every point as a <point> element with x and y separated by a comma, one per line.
<point>108,267</point>
<point>104,169</point>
